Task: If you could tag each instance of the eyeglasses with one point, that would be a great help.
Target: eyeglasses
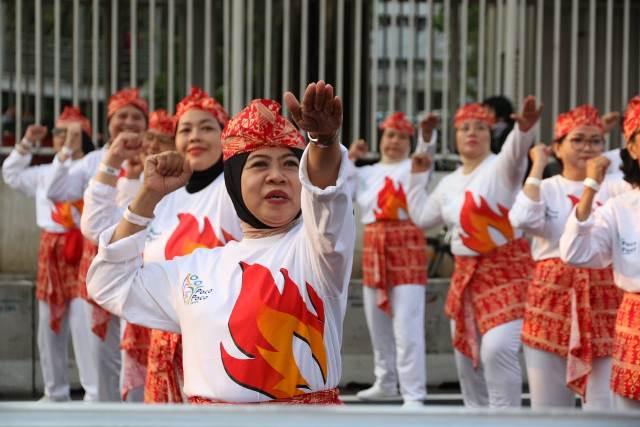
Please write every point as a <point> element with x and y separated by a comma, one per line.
<point>59,132</point>
<point>578,143</point>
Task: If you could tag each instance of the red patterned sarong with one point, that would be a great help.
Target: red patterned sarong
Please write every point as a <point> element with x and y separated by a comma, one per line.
<point>571,312</point>
<point>625,374</point>
<point>57,279</point>
<point>324,397</point>
<point>135,342</point>
<point>164,368</point>
<point>486,291</point>
<point>99,316</point>
<point>394,253</point>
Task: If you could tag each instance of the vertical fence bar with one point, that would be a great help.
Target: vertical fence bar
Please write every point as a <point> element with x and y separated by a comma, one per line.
<point>226,56</point>
<point>499,46</point>
<point>133,59</point>
<point>591,85</point>
<point>357,69</point>
<point>428,99</point>
<point>236,79</point>
<point>207,47</point>
<point>114,46</point>
<point>56,58</point>
<point>573,98</point>
<point>510,39</point>
<point>481,41</point>
<point>249,44</point>
<point>539,42</point>
<point>392,54</point>
<point>18,76</point>
<point>557,9</point>
<point>625,53</point>
<point>95,30</point>
<point>339,86</point>
<point>152,54</point>
<point>373,125</point>
<point>522,37</point>
<point>2,39</point>
<point>445,77</point>
<point>304,43</point>
<point>464,32</point>
<point>189,53</point>
<point>38,61</point>
<point>322,35</point>
<point>76,52</point>
<point>286,49</point>
<point>268,18</point>
<point>608,74</point>
<point>171,21</point>
<point>411,103</point>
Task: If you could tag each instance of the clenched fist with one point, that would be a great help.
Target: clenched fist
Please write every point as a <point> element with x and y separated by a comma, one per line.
<point>126,146</point>
<point>539,154</point>
<point>165,173</point>
<point>427,125</point>
<point>35,133</point>
<point>358,149</point>
<point>420,162</point>
<point>597,168</point>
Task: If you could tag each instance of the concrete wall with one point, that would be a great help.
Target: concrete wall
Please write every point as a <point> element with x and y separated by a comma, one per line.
<point>19,234</point>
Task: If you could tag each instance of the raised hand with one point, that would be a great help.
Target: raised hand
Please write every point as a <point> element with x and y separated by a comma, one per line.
<point>529,115</point>
<point>610,120</point>
<point>420,162</point>
<point>597,168</point>
<point>428,124</point>
<point>165,172</point>
<point>540,154</point>
<point>126,146</point>
<point>320,112</point>
<point>35,133</point>
<point>358,149</point>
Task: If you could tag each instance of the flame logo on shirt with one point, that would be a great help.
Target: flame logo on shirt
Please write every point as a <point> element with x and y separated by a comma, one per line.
<point>475,221</point>
<point>187,237</point>
<point>63,213</point>
<point>263,323</point>
<point>575,200</point>
<point>390,201</point>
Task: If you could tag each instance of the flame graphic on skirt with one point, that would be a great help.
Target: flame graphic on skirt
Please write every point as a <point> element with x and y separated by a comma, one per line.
<point>263,323</point>
<point>63,213</point>
<point>475,221</point>
<point>390,201</point>
<point>187,237</point>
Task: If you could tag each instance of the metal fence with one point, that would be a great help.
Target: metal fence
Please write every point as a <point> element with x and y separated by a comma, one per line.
<point>380,55</point>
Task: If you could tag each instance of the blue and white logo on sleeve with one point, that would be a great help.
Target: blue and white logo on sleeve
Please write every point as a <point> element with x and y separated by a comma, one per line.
<point>193,290</point>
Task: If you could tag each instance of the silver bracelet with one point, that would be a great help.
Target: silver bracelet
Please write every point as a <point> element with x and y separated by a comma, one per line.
<point>317,143</point>
<point>533,181</point>
<point>109,170</point>
<point>135,218</point>
<point>591,183</point>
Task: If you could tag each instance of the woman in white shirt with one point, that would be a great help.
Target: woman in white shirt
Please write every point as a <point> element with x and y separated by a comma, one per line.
<point>492,261</point>
<point>610,235</point>
<point>570,312</point>
<point>394,263</point>
<point>261,319</point>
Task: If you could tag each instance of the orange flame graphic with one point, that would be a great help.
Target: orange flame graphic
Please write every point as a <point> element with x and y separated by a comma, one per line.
<point>575,200</point>
<point>63,213</point>
<point>390,201</point>
<point>187,237</point>
<point>263,324</point>
<point>475,221</point>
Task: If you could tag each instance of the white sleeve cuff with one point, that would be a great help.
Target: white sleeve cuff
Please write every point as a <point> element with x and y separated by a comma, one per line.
<point>125,249</point>
<point>579,227</point>
<point>343,175</point>
<point>419,179</point>
<point>102,190</point>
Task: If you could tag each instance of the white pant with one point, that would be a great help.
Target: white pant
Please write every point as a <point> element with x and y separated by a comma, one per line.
<point>107,358</point>
<point>624,404</point>
<point>398,341</point>
<point>497,382</point>
<point>53,348</point>
<point>547,374</point>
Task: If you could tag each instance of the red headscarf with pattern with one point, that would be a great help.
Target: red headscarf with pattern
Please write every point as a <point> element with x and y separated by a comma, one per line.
<point>474,111</point>
<point>259,125</point>
<point>160,121</point>
<point>124,97</point>
<point>398,121</point>
<point>631,123</point>
<point>584,115</point>
<point>200,100</point>
<point>73,114</point>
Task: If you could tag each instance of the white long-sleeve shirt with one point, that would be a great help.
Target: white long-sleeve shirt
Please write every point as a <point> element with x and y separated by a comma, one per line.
<point>475,206</point>
<point>545,219</point>
<point>32,181</point>
<point>69,184</point>
<point>380,189</point>
<point>259,318</point>
<point>611,235</point>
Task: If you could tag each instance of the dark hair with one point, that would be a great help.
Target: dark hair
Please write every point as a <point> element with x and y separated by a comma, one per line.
<point>87,144</point>
<point>630,168</point>
<point>502,107</point>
